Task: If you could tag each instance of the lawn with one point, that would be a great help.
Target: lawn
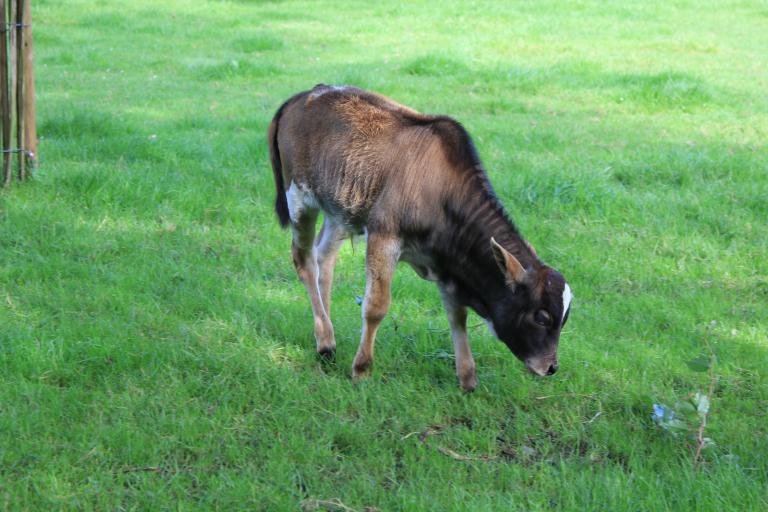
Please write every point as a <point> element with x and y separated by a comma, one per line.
<point>156,348</point>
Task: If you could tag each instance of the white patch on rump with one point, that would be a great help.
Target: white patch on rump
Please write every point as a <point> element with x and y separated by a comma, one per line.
<point>566,300</point>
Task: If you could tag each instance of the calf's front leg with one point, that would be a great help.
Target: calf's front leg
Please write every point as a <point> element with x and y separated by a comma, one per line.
<point>465,363</point>
<point>381,256</point>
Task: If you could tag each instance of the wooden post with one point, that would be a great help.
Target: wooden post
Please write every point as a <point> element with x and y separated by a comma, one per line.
<point>20,29</point>
<point>5,105</point>
<point>30,124</point>
<point>17,89</point>
<point>11,35</point>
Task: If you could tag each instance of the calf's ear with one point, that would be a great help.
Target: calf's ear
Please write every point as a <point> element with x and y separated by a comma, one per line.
<point>509,265</point>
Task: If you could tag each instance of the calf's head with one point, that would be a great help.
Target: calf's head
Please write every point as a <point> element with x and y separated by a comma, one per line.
<point>532,311</point>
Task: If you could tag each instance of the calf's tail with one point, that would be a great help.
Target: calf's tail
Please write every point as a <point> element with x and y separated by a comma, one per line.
<point>281,203</point>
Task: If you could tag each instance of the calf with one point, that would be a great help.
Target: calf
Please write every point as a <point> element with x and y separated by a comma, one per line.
<point>413,184</point>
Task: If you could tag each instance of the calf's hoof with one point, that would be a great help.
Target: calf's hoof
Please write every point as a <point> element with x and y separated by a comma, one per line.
<point>326,354</point>
<point>325,341</point>
<point>361,370</point>
<point>468,382</point>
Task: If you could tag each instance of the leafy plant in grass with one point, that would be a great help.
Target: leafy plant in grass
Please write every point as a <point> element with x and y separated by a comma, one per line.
<point>688,417</point>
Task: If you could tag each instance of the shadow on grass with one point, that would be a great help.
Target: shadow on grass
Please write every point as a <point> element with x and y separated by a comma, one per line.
<point>669,90</point>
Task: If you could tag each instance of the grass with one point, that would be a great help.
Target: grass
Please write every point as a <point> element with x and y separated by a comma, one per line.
<point>155,344</point>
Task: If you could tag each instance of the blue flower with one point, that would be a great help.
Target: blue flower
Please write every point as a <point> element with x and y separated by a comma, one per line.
<point>660,412</point>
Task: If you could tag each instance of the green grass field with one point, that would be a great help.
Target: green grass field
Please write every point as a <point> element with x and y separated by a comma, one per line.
<point>156,348</point>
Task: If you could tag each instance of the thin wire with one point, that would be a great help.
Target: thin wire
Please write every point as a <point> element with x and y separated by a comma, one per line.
<point>16,25</point>
<point>25,151</point>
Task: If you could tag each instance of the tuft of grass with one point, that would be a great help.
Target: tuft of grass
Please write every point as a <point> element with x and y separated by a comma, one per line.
<point>435,66</point>
<point>82,122</point>
<point>666,90</point>
<point>257,43</point>
<point>232,69</point>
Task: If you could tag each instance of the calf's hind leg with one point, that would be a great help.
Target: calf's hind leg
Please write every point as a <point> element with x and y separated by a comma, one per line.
<point>305,262</point>
<point>381,256</point>
<point>327,247</point>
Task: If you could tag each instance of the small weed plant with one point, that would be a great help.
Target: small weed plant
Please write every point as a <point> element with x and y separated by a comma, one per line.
<point>688,418</point>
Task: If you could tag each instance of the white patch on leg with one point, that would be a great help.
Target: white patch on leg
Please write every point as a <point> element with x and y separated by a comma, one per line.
<point>293,196</point>
<point>299,199</point>
<point>566,300</point>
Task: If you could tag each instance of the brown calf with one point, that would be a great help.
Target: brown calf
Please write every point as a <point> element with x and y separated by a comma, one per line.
<point>414,185</point>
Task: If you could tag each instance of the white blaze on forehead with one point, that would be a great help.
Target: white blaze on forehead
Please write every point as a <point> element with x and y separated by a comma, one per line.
<point>566,300</point>
<point>490,327</point>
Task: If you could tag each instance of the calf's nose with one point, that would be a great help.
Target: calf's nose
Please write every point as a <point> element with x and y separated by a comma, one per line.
<point>552,369</point>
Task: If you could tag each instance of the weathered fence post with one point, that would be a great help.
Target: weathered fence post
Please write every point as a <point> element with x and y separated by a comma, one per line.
<point>5,108</point>
<point>17,89</point>
<point>30,124</point>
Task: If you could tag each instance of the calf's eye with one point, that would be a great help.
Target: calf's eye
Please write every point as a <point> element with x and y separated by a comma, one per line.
<point>542,318</point>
